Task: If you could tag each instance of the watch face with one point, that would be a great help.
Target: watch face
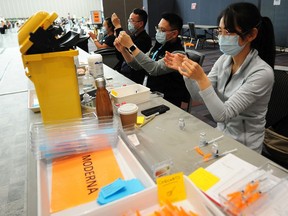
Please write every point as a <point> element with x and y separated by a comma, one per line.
<point>132,48</point>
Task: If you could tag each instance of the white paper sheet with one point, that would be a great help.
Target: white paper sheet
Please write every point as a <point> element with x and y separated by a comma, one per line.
<point>229,169</point>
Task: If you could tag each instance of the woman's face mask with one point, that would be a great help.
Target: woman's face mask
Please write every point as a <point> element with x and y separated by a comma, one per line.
<point>229,44</point>
<point>105,31</point>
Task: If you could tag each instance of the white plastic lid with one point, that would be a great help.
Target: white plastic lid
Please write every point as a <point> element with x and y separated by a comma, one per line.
<point>94,58</point>
<point>128,109</point>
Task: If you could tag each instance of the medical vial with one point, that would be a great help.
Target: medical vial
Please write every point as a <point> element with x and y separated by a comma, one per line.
<point>215,149</point>
<point>181,123</point>
<point>203,139</point>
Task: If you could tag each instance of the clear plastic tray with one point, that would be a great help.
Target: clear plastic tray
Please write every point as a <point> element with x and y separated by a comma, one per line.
<point>250,190</point>
<point>156,162</point>
<point>274,203</point>
<point>64,138</point>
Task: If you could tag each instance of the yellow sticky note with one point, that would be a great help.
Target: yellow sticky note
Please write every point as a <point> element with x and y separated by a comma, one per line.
<point>203,179</point>
<point>171,188</point>
<point>114,93</point>
<point>140,120</point>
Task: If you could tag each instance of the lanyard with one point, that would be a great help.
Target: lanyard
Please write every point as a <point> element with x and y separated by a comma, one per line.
<point>155,53</point>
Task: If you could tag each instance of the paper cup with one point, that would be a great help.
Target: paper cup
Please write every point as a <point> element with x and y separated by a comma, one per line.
<point>128,114</point>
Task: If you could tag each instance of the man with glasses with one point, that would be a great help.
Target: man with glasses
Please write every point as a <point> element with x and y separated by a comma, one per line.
<point>160,78</point>
<point>136,24</point>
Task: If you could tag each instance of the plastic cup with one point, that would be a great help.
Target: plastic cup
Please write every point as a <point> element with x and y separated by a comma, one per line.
<point>128,114</point>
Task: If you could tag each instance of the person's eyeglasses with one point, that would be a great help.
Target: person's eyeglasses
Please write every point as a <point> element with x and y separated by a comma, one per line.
<point>226,32</point>
<point>163,30</point>
<point>130,20</point>
<point>222,32</point>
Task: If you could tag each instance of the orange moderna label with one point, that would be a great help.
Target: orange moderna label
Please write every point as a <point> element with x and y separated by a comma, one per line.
<point>96,16</point>
<point>78,179</point>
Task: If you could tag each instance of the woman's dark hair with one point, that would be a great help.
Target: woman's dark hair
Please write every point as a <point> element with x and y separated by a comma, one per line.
<point>142,15</point>
<point>174,20</point>
<point>109,23</point>
<point>246,16</point>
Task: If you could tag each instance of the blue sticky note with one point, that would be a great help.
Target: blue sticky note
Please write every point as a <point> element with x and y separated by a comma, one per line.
<point>131,186</point>
<point>112,188</point>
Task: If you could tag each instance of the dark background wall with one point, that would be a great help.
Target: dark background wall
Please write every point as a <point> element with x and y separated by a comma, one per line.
<point>122,8</point>
<point>206,12</point>
<point>154,9</point>
<point>279,17</point>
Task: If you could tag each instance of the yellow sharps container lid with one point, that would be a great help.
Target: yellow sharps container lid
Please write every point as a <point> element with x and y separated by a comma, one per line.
<point>39,19</point>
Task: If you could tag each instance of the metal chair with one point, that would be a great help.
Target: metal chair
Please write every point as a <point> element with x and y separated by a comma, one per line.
<point>109,56</point>
<point>196,57</point>
<point>194,36</point>
<point>277,120</point>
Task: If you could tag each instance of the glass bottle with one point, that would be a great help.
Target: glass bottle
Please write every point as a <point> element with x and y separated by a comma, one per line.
<point>103,103</point>
<point>181,123</point>
<point>215,149</point>
<point>88,81</point>
<point>203,139</point>
<point>87,100</point>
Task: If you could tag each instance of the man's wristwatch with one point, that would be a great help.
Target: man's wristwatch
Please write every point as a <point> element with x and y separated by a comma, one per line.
<point>132,48</point>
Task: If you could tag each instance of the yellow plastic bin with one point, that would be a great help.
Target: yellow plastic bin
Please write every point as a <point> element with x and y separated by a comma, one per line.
<point>53,74</point>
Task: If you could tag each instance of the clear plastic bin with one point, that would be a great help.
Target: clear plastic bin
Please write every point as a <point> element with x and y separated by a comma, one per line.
<point>252,189</point>
<point>71,137</point>
<point>156,162</point>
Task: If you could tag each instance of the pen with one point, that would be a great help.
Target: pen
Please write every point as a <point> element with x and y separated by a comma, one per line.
<point>153,115</point>
<point>147,121</point>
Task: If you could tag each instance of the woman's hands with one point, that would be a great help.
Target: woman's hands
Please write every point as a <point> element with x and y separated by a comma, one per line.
<point>187,68</point>
<point>92,35</point>
<point>174,61</point>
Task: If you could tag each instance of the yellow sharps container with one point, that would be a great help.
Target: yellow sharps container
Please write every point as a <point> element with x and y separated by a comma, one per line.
<point>53,74</point>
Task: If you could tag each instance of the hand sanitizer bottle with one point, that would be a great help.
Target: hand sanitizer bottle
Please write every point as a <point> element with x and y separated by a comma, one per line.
<point>88,81</point>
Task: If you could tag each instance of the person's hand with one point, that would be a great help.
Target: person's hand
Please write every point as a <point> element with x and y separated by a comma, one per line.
<point>192,70</point>
<point>92,35</point>
<point>116,21</point>
<point>125,39</point>
<point>118,46</point>
<point>174,61</point>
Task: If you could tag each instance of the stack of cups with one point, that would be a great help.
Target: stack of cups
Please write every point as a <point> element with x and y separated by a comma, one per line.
<point>128,115</point>
<point>95,64</point>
